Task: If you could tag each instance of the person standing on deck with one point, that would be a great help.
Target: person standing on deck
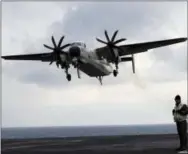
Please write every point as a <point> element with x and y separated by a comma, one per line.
<point>180,113</point>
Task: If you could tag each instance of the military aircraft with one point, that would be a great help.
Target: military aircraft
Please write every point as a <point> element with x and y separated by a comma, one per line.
<point>96,63</point>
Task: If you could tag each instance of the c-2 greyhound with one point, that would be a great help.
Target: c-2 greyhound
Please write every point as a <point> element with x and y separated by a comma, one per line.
<point>96,63</point>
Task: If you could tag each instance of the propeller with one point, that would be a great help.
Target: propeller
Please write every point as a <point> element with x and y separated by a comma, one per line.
<point>57,50</point>
<point>111,43</point>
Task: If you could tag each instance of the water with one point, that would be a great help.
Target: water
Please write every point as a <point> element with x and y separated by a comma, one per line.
<point>79,131</point>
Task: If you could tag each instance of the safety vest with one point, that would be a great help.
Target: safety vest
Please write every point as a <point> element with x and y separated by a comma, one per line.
<point>178,117</point>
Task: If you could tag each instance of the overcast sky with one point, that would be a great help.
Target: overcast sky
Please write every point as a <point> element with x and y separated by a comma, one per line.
<point>36,94</point>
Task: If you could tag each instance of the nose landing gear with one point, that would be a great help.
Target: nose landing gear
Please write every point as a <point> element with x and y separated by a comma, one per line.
<point>68,76</point>
<point>100,79</point>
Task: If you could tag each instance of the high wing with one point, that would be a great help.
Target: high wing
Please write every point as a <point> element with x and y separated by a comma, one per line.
<point>34,57</point>
<point>129,49</point>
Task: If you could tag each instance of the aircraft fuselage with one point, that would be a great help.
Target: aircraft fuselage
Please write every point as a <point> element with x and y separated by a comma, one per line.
<point>91,65</point>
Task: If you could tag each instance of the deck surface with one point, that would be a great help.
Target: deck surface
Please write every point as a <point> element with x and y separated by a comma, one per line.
<point>140,144</point>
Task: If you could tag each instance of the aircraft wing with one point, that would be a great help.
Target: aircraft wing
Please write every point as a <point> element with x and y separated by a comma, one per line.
<point>129,49</point>
<point>34,57</point>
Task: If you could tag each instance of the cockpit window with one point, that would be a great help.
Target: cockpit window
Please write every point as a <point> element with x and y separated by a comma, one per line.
<point>76,43</point>
<point>79,44</point>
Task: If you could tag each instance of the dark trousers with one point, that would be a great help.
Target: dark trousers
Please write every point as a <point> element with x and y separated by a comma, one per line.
<point>182,133</point>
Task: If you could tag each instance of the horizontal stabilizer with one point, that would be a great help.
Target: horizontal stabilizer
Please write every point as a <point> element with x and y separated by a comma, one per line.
<point>124,59</point>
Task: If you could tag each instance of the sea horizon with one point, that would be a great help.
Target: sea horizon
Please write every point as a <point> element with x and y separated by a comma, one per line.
<point>87,125</point>
<point>81,131</point>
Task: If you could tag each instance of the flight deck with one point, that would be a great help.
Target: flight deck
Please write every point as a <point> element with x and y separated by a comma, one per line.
<point>137,144</point>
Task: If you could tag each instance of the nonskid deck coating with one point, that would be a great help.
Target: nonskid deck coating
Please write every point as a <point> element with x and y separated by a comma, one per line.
<point>140,144</point>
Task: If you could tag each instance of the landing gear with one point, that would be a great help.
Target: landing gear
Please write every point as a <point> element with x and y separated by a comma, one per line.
<point>67,74</point>
<point>115,72</point>
<point>68,77</point>
<point>63,65</point>
<point>100,79</point>
<point>78,72</point>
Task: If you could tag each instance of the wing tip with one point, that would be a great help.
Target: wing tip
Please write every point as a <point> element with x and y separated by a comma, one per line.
<point>4,57</point>
<point>180,39</point>
<point>184,39</point>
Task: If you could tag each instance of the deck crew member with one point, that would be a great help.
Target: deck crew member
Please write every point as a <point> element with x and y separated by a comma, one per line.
<point>180,113</point>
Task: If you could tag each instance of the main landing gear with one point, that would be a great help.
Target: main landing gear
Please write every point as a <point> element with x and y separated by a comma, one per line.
<point>115,72</point>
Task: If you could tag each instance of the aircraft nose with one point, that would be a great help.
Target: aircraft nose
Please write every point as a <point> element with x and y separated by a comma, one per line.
<point>74,51</point>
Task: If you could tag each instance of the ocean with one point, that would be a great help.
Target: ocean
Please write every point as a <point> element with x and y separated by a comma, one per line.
<point>80,131</point>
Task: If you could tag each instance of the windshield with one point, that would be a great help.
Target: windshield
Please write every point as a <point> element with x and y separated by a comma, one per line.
<point>77,43</point>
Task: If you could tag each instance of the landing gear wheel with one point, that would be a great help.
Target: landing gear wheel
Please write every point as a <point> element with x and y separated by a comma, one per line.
<point>115,72</point>
<point>68,77</point>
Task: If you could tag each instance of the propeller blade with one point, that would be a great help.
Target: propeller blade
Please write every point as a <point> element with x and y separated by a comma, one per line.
<point>120,49</point>
<point>57,64</point>
<point>64,53</point>
<point>60,41</point>
<point>101,41</point>
<point>53,58</point>
<point>48,47</point>
<point>112,53</point>
<point>113,37</point>
<point>120,40</point>
<point>66,45</point>
<point>53,41</point>
<point>51,62</point>
<point>106,34</point>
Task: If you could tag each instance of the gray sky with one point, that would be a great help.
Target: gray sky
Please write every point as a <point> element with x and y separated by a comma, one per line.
<point>36,94</point>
